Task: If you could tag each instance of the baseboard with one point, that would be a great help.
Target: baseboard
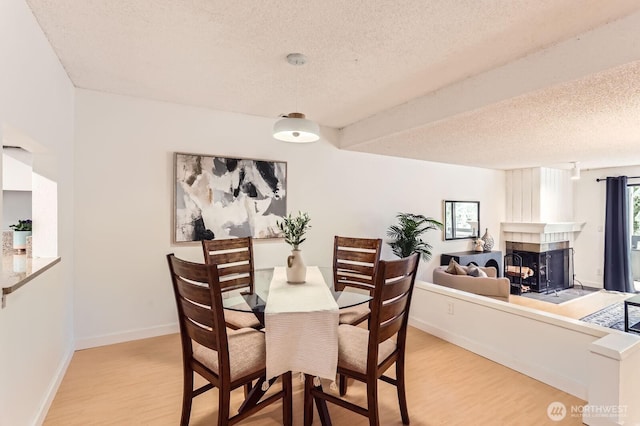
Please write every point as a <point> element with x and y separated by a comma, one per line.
<point>126,336</point>
<point>537,372</point>
<point>53,387</point>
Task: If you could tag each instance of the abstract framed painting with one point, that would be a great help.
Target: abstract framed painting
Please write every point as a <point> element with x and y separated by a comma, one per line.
<point>224,197</point>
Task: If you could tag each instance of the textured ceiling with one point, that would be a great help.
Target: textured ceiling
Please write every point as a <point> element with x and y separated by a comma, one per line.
<point>365,57</point>
<point>594,121</point>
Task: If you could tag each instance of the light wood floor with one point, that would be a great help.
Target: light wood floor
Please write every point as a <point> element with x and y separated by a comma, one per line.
<point>140,382</point>
<point>576,308</point>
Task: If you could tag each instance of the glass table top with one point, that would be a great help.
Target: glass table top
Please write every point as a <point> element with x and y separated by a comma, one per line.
<point>242,301</point>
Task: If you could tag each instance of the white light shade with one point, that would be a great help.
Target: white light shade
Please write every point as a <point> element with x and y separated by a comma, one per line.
<point>575,172</point>
<point>296,128</point>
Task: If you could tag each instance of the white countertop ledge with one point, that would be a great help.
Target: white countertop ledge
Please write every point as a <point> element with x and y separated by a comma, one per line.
<point>18,269</point>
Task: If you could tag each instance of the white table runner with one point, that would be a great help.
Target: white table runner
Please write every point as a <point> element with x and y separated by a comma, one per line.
<point>301,322</point>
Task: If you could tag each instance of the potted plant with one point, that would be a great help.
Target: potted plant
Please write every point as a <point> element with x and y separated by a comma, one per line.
<point>293,229</point>
<point>406,235</point>
<point>20,233</point>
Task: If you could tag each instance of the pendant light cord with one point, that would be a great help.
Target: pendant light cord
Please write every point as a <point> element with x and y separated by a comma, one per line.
<point>296,90</point>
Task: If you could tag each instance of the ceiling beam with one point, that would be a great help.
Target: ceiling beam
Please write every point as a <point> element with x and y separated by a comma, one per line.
<point>606,47</point>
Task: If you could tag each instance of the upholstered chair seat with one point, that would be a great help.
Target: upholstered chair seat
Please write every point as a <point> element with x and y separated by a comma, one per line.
<point>353,350</point>
<point>246,353</point>
<point>355,315</point>
<point>239,320</point>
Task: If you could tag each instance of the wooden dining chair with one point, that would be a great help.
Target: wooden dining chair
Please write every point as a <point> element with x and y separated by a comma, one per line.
<point>365,355</point>
<point>234,258</point>
<point>226,360</point>
<point>355,263</point>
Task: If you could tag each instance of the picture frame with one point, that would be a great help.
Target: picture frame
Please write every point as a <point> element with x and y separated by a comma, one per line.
<point>461,219</point>
<point>216,197</point>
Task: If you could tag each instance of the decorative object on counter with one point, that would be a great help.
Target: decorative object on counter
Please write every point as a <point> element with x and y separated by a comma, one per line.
<point>293,229</point>
<point>7,242</point>
<point>19,263</point>
<point>488,240</point>
<point>224,197</point>
<point>21,231</point>
<point>30,247</point>
<point>406,235</point>
<point>478,244</point>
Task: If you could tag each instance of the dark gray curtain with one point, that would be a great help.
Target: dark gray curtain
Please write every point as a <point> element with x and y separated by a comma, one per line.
<point>617,247</point>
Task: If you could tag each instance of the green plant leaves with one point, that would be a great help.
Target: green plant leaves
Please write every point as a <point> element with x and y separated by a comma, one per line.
<point>294,228</point>
<point>23,225</point>
<point>406,235</point>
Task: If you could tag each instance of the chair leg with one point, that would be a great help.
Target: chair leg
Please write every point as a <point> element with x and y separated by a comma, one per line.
<point>372,403</point>
<point>308,400</point>
<point>402,396</point>
<point>224,402</point>
<point>287,402</point>
<point>187,397</point>
<point>342,382</point>
<point>247,389</point>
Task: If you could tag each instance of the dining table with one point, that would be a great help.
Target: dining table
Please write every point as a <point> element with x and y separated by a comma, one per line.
<point>300,323</point>
<point>300,319</point>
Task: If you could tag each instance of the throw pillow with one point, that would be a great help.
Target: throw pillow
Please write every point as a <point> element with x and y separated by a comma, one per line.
<point>461,270</point>
<point>451,269</point>
<point>475,271</point>
<point>455,268</point>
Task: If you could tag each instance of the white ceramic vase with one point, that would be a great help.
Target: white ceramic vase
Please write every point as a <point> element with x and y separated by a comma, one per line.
<point>296,269</point>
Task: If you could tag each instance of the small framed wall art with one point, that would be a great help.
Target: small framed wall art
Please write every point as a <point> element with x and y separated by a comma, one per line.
<point>461,219</point>
<point>223,197</point>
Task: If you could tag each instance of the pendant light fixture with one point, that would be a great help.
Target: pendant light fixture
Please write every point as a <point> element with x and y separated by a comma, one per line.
<point>294,127</point>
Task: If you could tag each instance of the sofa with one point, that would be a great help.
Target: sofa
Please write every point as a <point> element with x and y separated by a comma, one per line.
<point>490,286</point>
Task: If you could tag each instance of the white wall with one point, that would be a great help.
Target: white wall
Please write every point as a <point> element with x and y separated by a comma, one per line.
<point>36,327</point>
<point>124,157</point>
<point>16,169</point>
<point>590,199</point>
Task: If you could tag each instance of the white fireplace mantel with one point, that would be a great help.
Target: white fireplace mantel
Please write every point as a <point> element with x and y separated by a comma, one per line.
<point>540,232</point>
<point>542,228</point>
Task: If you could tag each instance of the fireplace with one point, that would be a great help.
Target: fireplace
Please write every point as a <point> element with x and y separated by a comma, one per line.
<point>550,264</point>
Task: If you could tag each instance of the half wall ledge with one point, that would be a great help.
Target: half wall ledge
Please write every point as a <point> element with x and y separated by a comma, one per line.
<point>596,364</point>
<point>18,269</point>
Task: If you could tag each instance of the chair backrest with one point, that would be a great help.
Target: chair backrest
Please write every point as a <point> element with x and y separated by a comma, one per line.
<point>355,262</point>
<point>390,304</point>
<point>234,258</point>
<point>200,312</point>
